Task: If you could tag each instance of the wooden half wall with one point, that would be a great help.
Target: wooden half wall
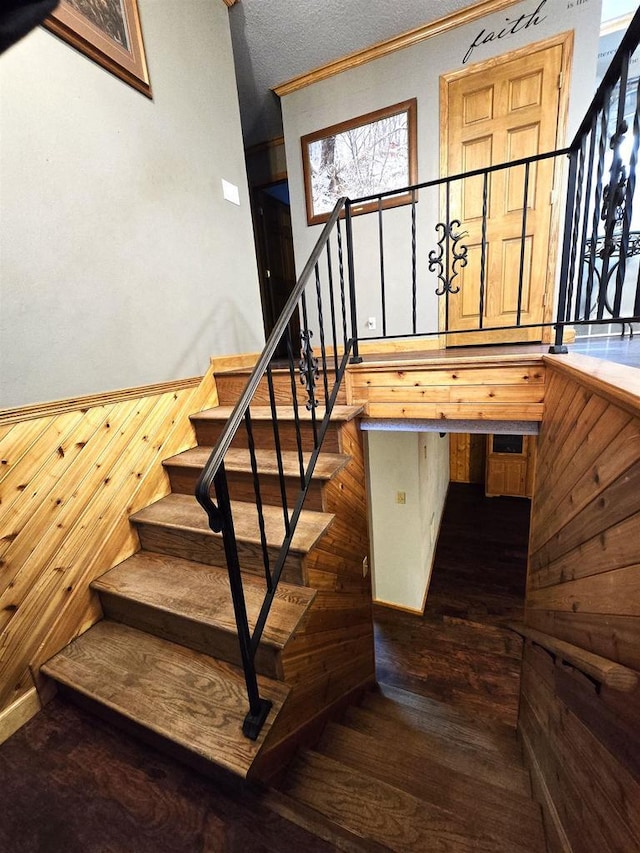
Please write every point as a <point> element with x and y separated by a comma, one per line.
<point>496,387</point>
<point>71,473</point>
<point>583,740</point>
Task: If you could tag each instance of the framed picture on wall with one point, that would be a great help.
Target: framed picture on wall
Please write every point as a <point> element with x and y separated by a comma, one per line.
<point>109,32</point>
<point>370,154</point>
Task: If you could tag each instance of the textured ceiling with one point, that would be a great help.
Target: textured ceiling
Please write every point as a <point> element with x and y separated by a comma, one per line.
<point>274,40</point>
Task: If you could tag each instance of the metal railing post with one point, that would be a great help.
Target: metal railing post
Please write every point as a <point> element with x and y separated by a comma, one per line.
<point>356,358</point>
<point>558,347</point>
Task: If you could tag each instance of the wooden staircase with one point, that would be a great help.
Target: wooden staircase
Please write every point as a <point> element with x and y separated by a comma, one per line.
<point>405,772</point>
<point>166,657</point>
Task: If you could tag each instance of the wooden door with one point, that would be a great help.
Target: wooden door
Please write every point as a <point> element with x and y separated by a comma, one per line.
<point>497,112</point>
<point>467,457</point>
<point>510,465</point>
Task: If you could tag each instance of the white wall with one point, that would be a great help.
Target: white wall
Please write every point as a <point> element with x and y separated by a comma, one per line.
<point>408,73</point>
<point>121,264</point>
<point>403,536</point>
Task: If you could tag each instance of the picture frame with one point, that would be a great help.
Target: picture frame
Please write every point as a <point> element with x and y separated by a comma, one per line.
<point>107,31</point>
<point>372,153</point>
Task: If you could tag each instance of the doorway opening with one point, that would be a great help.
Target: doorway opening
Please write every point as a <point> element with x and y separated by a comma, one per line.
<point>276,262</point>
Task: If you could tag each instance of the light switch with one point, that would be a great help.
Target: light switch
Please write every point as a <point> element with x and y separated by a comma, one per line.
<point>230,192</point>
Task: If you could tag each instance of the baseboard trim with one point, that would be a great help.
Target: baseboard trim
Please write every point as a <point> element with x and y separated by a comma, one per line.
<point>89,401</point>
<point>401,607</point>
<point>18,713</point>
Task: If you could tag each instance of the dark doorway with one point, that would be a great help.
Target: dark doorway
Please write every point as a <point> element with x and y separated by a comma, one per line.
<point>276,264</point>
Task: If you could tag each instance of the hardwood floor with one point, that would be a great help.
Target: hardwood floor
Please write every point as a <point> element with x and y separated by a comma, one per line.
<point>71,782</point>
<point>457,652</point>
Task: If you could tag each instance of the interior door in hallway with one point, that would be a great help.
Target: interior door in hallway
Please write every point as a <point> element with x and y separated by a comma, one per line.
<point>495,112</point>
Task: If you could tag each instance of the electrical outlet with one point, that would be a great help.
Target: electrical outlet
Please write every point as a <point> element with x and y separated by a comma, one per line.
<point>371,323</point>
<point>401,497</point>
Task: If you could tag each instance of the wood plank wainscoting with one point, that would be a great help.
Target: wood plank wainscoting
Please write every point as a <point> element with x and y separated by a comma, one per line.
<point>481,386</point>
<point>583,739</point>
<point>70,473</point>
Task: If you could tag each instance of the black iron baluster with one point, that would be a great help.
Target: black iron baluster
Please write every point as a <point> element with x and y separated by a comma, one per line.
<point>523,240</point>
<point>343,302</point>
<point>575,233</point>
<point>563,308</point>
<point>614,194</point>
<point>258,707</point>
<point>332,305</point>
<point>627,211</point>
<point>278,446</point>
<point>308,368</point>
<point>593,136</point>
<point>602,147</point>
<point>446,252</point>
<point>258,495</point>
<point>294,397</point>
<point>323,351</point>
<point>483,247</point>
<point>382,281</point>
<point>414,281</point>
<point>355,357</point>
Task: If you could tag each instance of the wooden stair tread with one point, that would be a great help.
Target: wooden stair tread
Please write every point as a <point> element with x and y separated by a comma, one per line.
<point>429,780</point>
<point>375,809</point>
<point>201,593</point>
<point>339,413</point>
<point>182,695</point>
<point>238,460</point>
<point>445,721</point>
<point>183,512</point>
<point>477,763</point>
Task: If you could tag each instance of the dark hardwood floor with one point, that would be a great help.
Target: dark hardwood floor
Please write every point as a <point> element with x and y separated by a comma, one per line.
<point>72,783</point>
<point>457,652</point>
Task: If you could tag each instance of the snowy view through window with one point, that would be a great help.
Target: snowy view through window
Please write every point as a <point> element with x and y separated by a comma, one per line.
<point>368,159</point>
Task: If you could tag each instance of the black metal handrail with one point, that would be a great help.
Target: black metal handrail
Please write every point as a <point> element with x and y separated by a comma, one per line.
<point>597,230</point>
<point>335,285</point>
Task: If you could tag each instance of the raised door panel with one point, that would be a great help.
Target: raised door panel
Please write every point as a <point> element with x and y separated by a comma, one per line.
<point>513,116</point>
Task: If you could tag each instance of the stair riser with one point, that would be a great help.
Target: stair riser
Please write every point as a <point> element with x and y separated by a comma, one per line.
<point>231,385</point>
<point>210,639</point>
<point>208,432</point>
<point>193,545</point>
<point>183,481</point>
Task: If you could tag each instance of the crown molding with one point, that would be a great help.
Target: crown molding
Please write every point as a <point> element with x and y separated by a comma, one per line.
<point>383,48</point>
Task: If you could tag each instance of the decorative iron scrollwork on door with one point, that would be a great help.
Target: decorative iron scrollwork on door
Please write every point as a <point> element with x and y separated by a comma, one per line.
<point>308,368</point>
<point>450,238</point>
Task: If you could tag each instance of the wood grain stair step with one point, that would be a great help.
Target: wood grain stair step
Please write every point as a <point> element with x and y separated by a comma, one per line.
<point>178,525</point>
<point>190,603</point>
<point>231,383</point>
<point>375,809</point>
<point>181,695</point>
<point>487,805</point>
<point>184,470</point>
<point>209,424</point>
<point>480,765</point>
<point>443,720</point>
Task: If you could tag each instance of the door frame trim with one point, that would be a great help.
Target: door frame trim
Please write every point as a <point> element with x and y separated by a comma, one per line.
<point>566,41</point>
